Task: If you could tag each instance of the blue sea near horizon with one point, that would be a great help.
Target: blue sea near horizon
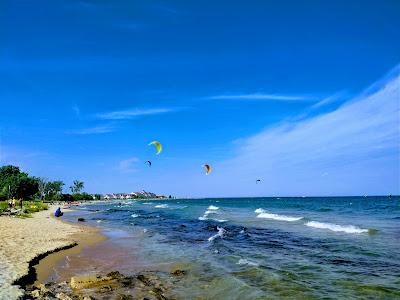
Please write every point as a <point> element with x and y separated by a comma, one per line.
<point>259,248</point>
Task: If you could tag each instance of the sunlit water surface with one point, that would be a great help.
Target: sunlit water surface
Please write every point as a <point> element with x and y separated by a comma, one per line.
<point>253,248</point>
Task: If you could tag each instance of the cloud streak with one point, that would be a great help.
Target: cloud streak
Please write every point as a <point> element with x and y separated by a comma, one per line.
<point>261,96</point>
<point>133,113</point>
<point>353,148</point>
<point>93,130</point>
<point>127,165</point>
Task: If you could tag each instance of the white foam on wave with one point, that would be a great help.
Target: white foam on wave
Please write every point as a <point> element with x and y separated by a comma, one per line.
<point>266,215</point>
<point>220,220</point>
<point>244,261</point>
<point>336,228</point>
<point>211,210</point>
<point>161,206</point>
<point>221,232</point>
<point>134,215</point>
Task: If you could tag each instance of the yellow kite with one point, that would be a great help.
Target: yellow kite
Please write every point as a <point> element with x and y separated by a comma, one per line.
<point>158,146</point>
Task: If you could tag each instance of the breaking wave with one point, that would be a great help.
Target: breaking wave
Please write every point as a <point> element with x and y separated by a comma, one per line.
<point>161,206</point>
<point>266,215</point>
<point>336,228</point>
<point>221,232</point>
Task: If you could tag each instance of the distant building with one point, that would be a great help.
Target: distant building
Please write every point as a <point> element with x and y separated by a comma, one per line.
<point>134,195</point>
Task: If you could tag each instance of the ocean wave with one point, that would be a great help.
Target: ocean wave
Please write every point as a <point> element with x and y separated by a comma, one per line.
<point>211,210</point>
<point>244,261</point>
<point>266,215</point>
<point>336,228</point>
<point>221,232</point>
<point>134,215</point>
<point>161,206</point>
<point>220,220</point>
<point>182,207</point>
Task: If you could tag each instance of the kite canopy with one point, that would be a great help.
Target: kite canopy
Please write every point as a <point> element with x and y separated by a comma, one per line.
<point>158,146</point>
<point>148,162</point>
<point>258,180</point>
<point>208,168</point>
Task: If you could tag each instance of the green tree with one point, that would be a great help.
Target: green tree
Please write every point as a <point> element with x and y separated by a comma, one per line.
<point>8,177</point>
<point>42,186</point>
<point>77,186</point>
<point>53,190</point>
<point>17,184</point>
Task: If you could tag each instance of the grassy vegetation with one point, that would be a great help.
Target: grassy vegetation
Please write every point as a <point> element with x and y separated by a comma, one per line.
<point>28,207</point>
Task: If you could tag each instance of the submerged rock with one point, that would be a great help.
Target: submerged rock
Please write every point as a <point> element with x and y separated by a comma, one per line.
<point>123,297</point>
<point>114,285</point>
<point>90,281</point>
<point>144,279</point>
<point>63,296</point>
<point>179,272</point>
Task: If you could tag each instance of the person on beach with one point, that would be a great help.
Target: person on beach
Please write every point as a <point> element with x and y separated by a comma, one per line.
<point>58,213</point>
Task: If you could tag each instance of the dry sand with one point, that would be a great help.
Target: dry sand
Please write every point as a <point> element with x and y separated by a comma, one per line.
<point>21,240</point>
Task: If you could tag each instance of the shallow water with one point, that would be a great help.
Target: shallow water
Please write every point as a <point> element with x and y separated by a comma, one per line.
<point>253,248</point>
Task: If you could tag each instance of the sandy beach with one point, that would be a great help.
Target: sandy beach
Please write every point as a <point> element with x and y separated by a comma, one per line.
<point>23,240</point>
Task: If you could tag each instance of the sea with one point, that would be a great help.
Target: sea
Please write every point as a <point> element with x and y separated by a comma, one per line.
<point>251,248</point>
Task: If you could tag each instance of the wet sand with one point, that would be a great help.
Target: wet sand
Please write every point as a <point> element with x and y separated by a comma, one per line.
<point>85,239</point>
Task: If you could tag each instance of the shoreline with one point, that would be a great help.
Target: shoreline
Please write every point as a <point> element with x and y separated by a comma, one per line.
<point>31,247</point>
<point>89,237</point>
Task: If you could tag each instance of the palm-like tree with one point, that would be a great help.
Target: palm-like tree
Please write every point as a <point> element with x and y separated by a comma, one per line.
<point>77,186</point>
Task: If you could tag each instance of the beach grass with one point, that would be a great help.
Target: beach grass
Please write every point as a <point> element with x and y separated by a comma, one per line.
<point>29,207</point>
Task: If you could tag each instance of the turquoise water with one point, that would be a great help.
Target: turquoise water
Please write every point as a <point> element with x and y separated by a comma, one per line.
<point>262,248</point>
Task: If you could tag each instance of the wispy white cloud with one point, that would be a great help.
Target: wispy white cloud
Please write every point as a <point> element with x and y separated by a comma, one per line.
<point>93,130</point>
<point>262,96</point>
<point>133,113</point>
<point>128,165</point>
<point>356,146</point>
<point>329,100</point>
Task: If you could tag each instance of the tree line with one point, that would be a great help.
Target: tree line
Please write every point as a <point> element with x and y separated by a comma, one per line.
<point>15,184</point>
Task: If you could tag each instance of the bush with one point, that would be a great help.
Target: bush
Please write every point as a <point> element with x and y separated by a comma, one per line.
<point>67,198</point>
<point>3,205</point>
<point>3,197</point>
<point>34,206</point>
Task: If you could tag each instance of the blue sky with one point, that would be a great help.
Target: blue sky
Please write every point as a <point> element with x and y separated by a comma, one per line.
<point>302,94</point>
